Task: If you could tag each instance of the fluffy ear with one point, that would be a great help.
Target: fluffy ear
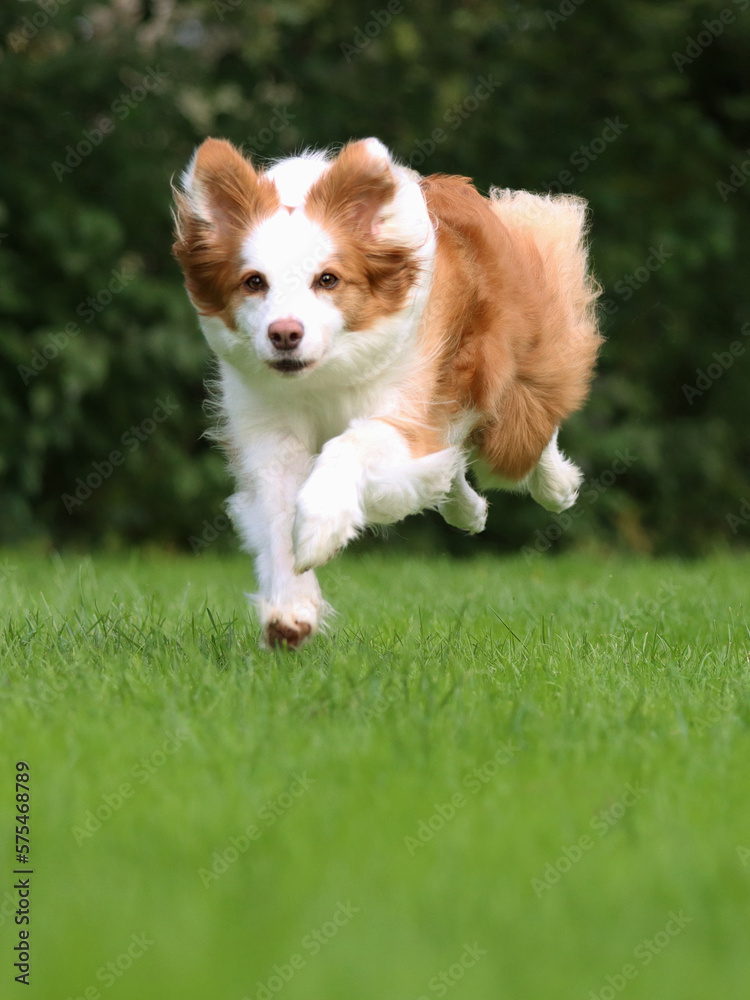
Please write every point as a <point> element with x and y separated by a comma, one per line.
<point>220,186</point>
<point>221,197</point>
<point>355,188</point>
<point>361,196</point>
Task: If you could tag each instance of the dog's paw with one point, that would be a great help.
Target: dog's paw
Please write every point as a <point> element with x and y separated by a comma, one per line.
<point>325,521</point>
<point>319,536</point>
<point>467,513</point>
<point>288,627</point>
<point>286,634</point>
<point>290,621</point>
<point>464,508</point>
<point>558,490</point>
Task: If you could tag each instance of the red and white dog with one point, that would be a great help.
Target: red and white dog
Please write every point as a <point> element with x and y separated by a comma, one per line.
<point>377,331</point>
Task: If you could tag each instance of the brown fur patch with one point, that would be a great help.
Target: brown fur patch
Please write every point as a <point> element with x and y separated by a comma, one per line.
<point>510,324</point>
<point>346,199</point>
<point>422,437</point>
<point>226,199</point>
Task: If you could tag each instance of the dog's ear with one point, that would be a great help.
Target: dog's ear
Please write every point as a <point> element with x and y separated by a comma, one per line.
<point>220,197</point>
<point>221,187</point>
<point>356,188</point>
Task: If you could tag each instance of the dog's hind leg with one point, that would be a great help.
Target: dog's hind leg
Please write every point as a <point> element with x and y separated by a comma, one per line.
<point>555,481</point>
<point>463,507</point>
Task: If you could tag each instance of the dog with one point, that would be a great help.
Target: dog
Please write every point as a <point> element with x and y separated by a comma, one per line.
<point>376,333</point>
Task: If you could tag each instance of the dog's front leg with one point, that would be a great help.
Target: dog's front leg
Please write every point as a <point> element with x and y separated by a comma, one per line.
<point>367,475</point>
<point>289,605</point>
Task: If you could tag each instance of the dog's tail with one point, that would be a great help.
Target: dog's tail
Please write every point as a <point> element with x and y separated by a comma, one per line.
<point>548,233</point>
<point>558,225</point>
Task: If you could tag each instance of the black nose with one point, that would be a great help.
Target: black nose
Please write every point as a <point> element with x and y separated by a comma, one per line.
<point>285,334</point>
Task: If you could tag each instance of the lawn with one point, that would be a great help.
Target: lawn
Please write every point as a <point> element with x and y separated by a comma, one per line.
<point>492,780</point>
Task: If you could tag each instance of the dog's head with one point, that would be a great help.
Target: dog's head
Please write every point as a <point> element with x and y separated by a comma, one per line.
<point>294,267</point>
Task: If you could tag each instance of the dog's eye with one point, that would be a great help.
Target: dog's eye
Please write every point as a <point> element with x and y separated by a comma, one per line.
<point>256,283</point>
<point>328,280</point>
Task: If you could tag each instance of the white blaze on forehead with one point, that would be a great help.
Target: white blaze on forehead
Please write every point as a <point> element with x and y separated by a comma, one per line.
<point>289,249</point>
<point>294,177</point>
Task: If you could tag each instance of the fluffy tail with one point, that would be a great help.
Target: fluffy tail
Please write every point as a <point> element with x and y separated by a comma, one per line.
<point>558,225</point>
<point>555,368</point>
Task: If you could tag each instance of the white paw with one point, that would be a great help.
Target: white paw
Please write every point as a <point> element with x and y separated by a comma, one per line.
<point>556,491</point>
<point>464,508</point>
<point>468,514</point>
<point>287,626</point>
<point>327,519</point>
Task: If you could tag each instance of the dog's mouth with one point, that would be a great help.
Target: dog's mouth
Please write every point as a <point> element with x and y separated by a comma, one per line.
<point>289,366</point>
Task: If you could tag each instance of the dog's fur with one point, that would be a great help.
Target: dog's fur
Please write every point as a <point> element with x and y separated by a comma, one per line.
<point>460,329</point>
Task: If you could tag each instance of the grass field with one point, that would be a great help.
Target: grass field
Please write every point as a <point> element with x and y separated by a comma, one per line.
<point>491,781</point>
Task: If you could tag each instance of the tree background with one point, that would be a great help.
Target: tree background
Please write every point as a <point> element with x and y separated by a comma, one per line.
<point>96,331</point>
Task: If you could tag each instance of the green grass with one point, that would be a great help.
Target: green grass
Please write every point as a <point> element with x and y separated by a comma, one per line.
<point>564,682</point>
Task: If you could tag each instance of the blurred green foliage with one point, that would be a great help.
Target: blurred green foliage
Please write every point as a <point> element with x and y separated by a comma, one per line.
<point>643,108</point>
